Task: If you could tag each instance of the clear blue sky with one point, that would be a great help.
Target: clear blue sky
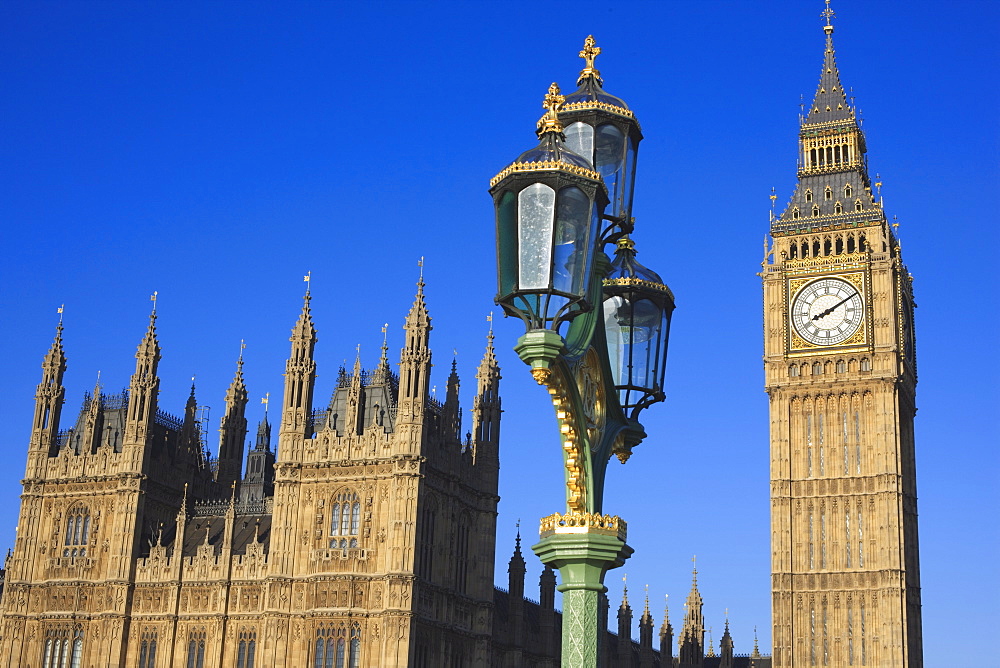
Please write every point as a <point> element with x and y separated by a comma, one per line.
<point>215,152</point>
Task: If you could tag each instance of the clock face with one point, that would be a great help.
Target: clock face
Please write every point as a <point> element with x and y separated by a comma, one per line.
<point>827,312</point>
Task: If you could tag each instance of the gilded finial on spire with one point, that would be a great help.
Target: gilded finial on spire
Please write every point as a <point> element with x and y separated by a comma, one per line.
<point>829,15</point>
<point>589,53</point>
<point>308,279</point>
<point>152,298</point>
<point>243,345</point>
<point>552,103</point>
<point>60,312</point>
<point>266,399</point>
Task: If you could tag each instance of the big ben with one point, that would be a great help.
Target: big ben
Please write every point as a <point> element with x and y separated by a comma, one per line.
<point>840,372</point>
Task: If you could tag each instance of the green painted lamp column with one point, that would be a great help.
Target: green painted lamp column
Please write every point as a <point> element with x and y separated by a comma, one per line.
<point>595,330</point>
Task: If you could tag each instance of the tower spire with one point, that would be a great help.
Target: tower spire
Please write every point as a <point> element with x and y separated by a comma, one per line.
<point>49,397</point>
<point>300,371</point>
<point>233,430</point>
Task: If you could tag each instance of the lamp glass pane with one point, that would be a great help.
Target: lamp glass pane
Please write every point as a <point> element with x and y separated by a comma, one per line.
<point>507,243</point>
<point>536,206</point>
<point>609,161</point>
<point>573,238</point>
<point>580,139</point>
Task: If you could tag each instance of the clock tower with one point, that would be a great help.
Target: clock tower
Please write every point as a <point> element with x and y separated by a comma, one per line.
<point>840,371</point>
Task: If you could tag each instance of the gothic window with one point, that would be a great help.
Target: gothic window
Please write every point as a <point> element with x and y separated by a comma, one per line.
<point>462,554</point>
<point>332,649</point>
<point>846,153</point>
<point>77,532</point>
<point>817,369</point>
<point>795,212</point>
<point>841,366</point>
<point>857,205</point>
<point>836,154</point>
<point>355,656</point>
<point>426,532</point>
<point>345,521</point>
<point>815,210</point>
<point>63,648</point>
<point>838,208</point>
<point>866,364</point>
<point>814,160</point>
<point>809,195</point>
<point>247,649</point>
<point>147,650</point>
<point>793,370</point>
<point>828,193</point>
<point>847,190</point>
<point>196,649</point>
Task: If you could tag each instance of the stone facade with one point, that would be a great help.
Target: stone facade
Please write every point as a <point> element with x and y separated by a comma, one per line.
<point>840,368</point>
<point>366,540</point>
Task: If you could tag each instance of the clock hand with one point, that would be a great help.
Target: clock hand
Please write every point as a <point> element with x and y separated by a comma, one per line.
<point>834,307</point>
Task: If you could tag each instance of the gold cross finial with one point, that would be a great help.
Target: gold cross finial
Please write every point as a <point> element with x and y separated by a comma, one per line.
<point>589,54</point>
<point>828,15</point>
<point>152,298</point>
<point>590,51</point>
<point>552,103</point>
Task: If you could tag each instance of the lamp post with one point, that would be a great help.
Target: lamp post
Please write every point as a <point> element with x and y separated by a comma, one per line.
<point>596,330</point>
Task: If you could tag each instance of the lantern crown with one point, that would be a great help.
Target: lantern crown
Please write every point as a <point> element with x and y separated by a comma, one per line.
<point>590,94</point>
<point>627,272</point>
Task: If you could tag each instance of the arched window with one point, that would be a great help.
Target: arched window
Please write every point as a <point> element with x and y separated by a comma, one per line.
<point>809,195</point>
<point>63,647</point>
<point>793,370</point>
<point>815,210</point>
<point>795,212</point>
<point>841,366</point>
<point>147,649</point>
<point>866,364</point>
<point>77,532</point>
<point>355,656</point>
<point>838,208</point>
<point>196,649</point>
<point>247,649</point>
<point>828,193</point>
<point>345,520</point>
<point>846,153</point>
<point>817,369</point>
<point>857,205</point>
<point>847,190</point>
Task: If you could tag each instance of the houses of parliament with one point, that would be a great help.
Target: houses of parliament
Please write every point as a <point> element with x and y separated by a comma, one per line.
<point>359,531</point>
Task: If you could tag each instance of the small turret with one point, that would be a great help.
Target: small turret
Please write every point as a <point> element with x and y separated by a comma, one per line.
<point>233,430</point>
<point>516,569</point>
<point>726,646</point>
<point>258,483</point>
<point>624,629</point>
<point>646,635</point>
<point>143,389</point>
<point>666,637</point>
<point>452,412</point>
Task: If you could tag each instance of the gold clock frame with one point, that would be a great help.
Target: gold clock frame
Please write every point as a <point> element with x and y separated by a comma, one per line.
<point>796,346</point>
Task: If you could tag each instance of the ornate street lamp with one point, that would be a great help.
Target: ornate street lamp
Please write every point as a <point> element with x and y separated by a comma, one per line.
<point>595,331</point>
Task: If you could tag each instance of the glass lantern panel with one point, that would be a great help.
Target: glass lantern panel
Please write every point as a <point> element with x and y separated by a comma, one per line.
<point>629,171</point>
<point>573,239</point>
<point>609,161</point>
<point>615,338</point>
<point>580,139</point>
<point>507,243</point>
<point>535,214</point>
<point>634,333</point>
